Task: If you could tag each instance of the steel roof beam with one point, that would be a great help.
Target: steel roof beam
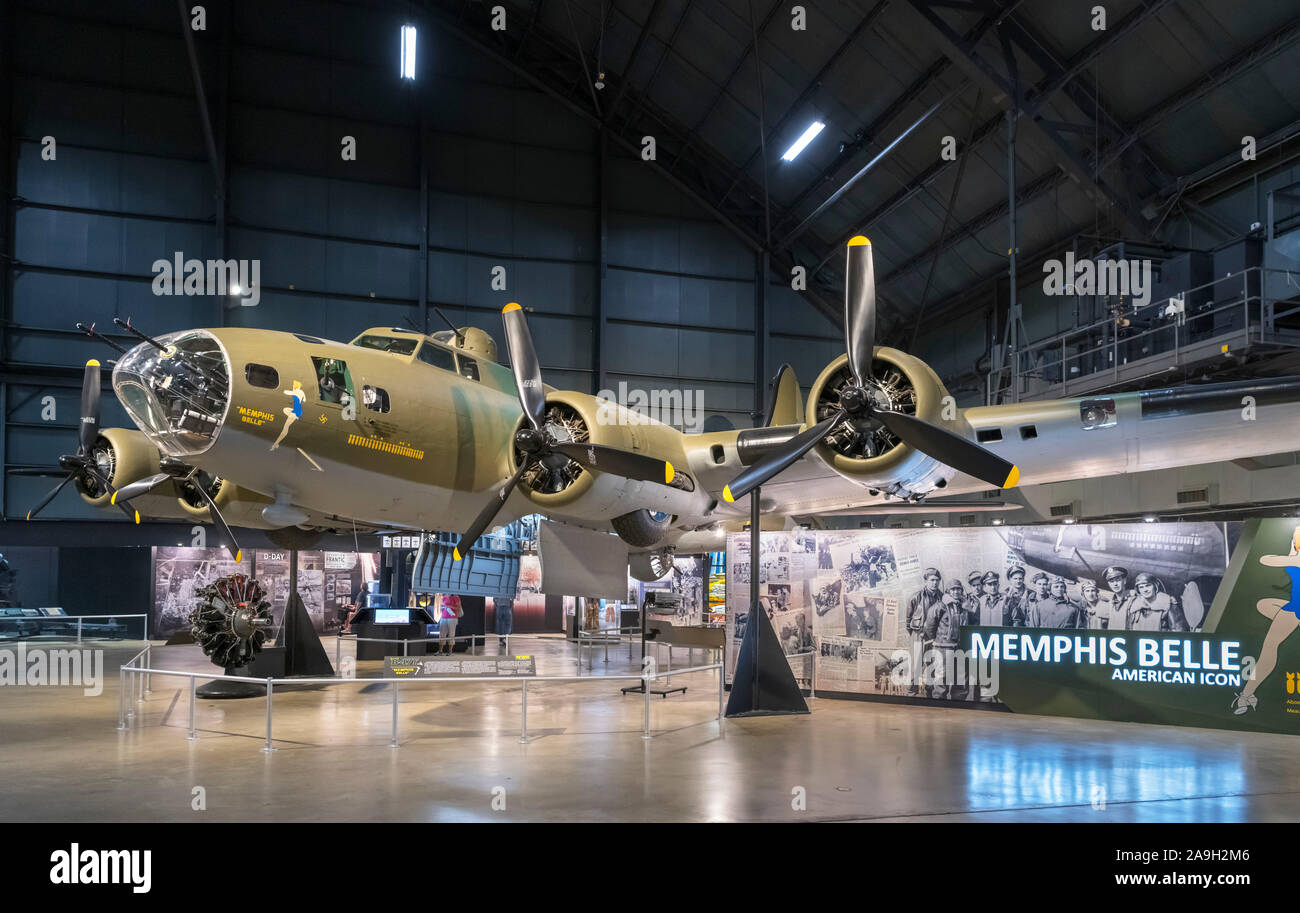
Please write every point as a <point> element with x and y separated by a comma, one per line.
<point>967,56</point>
<point>810,89</point>
<point>751,48</point>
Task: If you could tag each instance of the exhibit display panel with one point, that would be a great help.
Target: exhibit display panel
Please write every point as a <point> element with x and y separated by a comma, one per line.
<point>1182,623</point>
<point>687,580</point>
<point>327,582</point>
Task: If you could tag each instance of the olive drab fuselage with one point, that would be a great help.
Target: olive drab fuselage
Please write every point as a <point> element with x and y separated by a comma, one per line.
<point>345,433</point>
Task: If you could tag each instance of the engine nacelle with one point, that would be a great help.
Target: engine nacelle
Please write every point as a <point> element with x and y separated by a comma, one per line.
<point>559,485</point>
<point>865,451</point>
<point>239,506</point>
<point>125,455</point>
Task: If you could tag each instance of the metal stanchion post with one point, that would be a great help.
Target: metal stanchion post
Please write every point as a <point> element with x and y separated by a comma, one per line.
<point>669,679</point>
<point>270,687</point>
<point>148,661</point>
<point>606,649</point>
<point>393,744</point>
<point>78,630</point>
<point>721,678</point>
<point>645,687</point>
<point>121,697</point>
<point>523,717</point>
<point>193,734</point>
<point>405,645</point>
<point>338,651</point>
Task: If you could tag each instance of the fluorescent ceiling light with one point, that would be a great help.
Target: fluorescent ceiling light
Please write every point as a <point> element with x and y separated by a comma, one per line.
<point>408,52</point>
<point>802,142</point>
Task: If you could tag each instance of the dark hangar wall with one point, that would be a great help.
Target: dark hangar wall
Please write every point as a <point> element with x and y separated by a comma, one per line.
<point>512,180</point>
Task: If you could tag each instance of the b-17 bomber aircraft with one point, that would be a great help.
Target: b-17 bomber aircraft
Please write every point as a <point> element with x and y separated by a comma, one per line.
<point>398,429</point>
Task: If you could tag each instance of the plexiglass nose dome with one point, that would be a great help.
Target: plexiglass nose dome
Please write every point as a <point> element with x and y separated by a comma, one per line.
<point>177,395</point>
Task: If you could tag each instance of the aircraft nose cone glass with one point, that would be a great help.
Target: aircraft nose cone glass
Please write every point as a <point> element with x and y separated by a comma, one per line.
<point>177,395</point>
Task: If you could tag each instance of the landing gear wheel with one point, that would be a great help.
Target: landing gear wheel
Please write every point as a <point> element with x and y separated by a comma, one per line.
<point>642,528</point>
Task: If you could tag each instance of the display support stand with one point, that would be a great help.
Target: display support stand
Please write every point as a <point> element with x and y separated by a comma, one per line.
<point>764,684</point>
<point>640,689</point>
<point>303,652</point>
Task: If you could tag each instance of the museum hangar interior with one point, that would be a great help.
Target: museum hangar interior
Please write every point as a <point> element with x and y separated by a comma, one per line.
<point>374,375</point>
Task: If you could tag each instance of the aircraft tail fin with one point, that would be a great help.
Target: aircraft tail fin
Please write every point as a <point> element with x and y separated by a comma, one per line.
<point>785,400</point>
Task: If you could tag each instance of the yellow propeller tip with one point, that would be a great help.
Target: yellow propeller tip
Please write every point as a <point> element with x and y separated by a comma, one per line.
<point>137,518</point>
<point>29,515</point>
<point>93,363</point>
<point>112,499</point>
<point>512,306</point>
<point>1013,478</point>
<point>455,552</point>
<point>239,554</point>
<point>669,472</point>
<point>858,241</point>
<point>726,494</point>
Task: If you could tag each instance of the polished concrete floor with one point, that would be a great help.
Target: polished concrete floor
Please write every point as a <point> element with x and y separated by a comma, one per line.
<point>460,757</point>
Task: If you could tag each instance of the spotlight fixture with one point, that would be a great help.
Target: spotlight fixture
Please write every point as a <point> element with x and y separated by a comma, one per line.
<point>1148,519</point>
<point>802,142</point>
<point>408,52</point>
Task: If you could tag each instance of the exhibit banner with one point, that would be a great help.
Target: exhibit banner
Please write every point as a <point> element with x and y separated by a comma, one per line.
<point>686,579</point>
<point>1240,671</point>
<point>1182,623</point>
<point>327,582</point>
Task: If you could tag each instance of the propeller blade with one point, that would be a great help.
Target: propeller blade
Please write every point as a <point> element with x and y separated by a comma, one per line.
<point>779,459</point>
<point>633,466</point>
<point>489,512</point>
<point>233,546</point>
<point>951,449</point>
<point>138,488</point>
<point>523,361</point>
<point>50,497</point>
<point>131,513</point>
<point>859,307</point>
<point>89,428</point>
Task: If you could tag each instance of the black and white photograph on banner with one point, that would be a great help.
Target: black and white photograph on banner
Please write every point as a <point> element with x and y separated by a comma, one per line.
<point>912,593</point>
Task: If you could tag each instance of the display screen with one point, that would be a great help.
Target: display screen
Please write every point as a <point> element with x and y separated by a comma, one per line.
<point>392,616</point>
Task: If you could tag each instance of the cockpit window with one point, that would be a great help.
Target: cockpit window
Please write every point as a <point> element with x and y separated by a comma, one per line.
<point>334,381</point>
<point>468,367</point>
<point>437,356</point>
<point>396,345</point>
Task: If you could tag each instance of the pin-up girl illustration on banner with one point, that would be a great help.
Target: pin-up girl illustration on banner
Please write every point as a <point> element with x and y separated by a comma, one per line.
<point>291,413</point>
<point>1284,618</point>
